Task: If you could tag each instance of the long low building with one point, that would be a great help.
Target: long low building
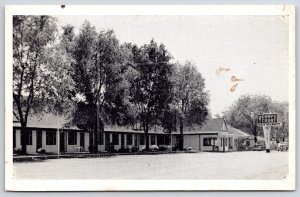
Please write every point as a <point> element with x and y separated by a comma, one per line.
<point>53,134</point>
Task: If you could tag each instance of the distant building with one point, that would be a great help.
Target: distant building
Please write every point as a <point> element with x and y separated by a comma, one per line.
<point>216,135</point>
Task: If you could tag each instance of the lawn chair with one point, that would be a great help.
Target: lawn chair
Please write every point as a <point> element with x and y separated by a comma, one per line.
<point>78,148</point>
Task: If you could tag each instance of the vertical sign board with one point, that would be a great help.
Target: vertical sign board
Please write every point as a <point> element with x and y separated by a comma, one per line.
<point>267,121</point>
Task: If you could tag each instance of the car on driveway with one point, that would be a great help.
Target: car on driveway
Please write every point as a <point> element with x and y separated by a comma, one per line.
<point>282,146</point>
<point>258,148</point>
<point>152,148</point>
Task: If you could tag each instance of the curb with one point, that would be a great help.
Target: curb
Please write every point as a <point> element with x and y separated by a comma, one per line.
<point>34,158</point>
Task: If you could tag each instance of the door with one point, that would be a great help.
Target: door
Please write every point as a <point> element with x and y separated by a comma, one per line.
<point>199,143</point>
<point>82,140</point>
<point>122,140</point>
<point>39,143</point>
<point>107,142</point>
<point>62,142</point>
<point>14,139</point>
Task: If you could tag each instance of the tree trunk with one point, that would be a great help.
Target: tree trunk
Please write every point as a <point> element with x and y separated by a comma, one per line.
<point>24,139</point>
<point>96,141</point>
<point>98,70</point>
<point>91,149</point>
<point>100,134</point>
<point>255,134</point>
<point>147,136</point>
<point>181,133</point>
<point>98,127</point>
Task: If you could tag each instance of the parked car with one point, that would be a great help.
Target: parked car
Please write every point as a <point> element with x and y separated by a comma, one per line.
<point>282,146</point>
<point>258,148</point>
<point>190,150</point>
<point>41,151</point>
<point>151,148</point>
<point>162,147</point>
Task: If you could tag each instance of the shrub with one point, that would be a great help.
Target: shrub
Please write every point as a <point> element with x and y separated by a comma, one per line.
<point>162,148</point>
<point>92,149</point>
<point>123,150</point>
<point>112,150</point>
<point>134,149</point>
<point>17,151</point>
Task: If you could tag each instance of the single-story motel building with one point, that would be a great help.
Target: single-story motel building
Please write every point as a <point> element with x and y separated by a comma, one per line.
<point>49,132</point>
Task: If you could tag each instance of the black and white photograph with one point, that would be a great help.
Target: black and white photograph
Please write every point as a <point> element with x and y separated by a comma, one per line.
<point>172,97</point>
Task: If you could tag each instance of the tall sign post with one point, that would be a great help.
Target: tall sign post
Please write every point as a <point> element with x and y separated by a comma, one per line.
<point>267,131</point>
<point>267,121</point>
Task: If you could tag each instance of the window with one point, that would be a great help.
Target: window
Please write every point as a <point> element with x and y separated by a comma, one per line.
<point>72,138</point>
<point>142,140</point>
<point>248,143</point>
<point>152,138</point>
<point>115,139</point>
<point>209,141</point>
<point>129,139</point>
<point>50,138</point>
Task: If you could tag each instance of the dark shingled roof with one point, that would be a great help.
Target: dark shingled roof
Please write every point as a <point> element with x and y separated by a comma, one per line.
<point>15,120</point>
<point>51,121</point>
<point>210,126</point>
<point>216,124</point>
<point>237,132</point>
<point>47,121</point>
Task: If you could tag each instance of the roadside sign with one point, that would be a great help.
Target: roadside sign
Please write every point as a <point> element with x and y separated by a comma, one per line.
<point>268,119</point>
<point>270,123</point>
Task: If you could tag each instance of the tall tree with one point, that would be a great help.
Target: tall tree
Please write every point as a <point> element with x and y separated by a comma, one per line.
<point>190,98</point>
<point>83,54</point>
<point>31,36</point>
<point>100,67</point>
<point>243,113</point>
<point>58,73</point>
<point>152,86</point>
<point>282,109</point>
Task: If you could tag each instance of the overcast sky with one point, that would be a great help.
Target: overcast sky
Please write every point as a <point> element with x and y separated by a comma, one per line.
<point>255,48</point>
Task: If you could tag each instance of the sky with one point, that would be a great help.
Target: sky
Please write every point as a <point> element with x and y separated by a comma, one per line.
<point>254,48</point>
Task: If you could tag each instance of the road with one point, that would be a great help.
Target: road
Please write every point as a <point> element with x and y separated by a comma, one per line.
<point>203,165</point>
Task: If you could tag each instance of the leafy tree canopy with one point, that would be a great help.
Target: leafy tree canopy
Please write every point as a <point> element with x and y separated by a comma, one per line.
<point>243,113</point>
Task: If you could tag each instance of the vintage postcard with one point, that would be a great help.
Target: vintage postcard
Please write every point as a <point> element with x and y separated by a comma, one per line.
<point>149,98</point>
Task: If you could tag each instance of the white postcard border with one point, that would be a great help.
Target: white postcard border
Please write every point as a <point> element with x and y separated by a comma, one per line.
<point>289,183</point>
